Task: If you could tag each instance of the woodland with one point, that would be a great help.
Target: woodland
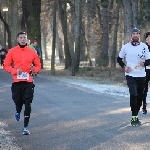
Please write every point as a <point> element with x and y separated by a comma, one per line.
<point>76,33</point>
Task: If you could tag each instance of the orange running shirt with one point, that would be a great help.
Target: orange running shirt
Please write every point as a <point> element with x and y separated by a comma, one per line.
<point>21,58</point>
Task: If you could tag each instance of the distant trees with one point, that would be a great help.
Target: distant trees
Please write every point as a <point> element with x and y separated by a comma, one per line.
<point>92,31</point>
<point>22,15</point>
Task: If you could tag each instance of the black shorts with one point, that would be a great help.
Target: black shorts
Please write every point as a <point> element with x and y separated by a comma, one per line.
<point>22,91</point>
<point>135,84</point>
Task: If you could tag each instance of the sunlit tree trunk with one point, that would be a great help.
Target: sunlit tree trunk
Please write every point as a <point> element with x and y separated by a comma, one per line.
<point>59,45</point>
<point>63,17</point>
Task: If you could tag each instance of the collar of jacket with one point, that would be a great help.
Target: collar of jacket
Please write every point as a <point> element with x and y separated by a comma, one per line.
<point>22,46</point>
<point>135,43</point>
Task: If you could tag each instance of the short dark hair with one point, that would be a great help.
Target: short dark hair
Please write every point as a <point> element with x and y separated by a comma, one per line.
<point>147,34</point>
<point>21,32</point>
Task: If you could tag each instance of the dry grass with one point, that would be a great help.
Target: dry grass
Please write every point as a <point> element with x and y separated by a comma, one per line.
<point>106,75</point>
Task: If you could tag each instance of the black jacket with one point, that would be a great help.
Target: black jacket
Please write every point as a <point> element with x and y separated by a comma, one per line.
<point>148,70</point>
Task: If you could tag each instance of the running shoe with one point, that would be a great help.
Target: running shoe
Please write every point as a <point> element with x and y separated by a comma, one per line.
<point>134,122</point>
<point>144,111</point>
<point>17,116</point>
<point>25,131</point>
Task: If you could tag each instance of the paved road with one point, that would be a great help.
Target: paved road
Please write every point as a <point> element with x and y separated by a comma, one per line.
<point>65,117</point>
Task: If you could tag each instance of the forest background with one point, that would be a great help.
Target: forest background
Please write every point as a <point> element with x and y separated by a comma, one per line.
<point>80,37</point>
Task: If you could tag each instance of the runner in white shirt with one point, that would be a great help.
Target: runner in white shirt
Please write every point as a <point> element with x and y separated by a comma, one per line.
<point>137,57</point>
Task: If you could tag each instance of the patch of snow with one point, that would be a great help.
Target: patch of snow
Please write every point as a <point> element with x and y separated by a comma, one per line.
<point>112,89</point>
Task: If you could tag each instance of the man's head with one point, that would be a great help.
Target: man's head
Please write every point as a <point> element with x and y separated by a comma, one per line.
<point>135,35</point>
<point>35,42</point>
<point>147,37</point>
<point>22,38</point>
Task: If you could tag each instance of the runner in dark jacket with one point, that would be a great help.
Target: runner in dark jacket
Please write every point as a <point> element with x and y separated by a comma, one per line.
<point>3,54</point>
<point>147,68</point>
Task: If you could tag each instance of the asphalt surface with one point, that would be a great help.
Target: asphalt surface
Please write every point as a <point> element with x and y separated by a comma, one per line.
<point>68,117</point>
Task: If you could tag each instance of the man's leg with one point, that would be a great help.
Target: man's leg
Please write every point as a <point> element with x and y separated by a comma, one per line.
<point>142,93</point>
<point>16,96</point>
<point>28,97</point>
<point>27,112</point>
<point>131,82</point>
<point>133,104</point>
<point>19,105</point>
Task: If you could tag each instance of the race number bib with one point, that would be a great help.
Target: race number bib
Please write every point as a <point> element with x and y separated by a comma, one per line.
<point>23,76</point>
<point>136,67</point>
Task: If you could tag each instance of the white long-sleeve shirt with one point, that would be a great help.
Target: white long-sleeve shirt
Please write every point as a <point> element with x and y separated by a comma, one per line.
<point>133,55</point>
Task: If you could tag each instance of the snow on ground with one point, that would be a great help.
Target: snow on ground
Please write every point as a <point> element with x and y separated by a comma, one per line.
<point>113,89</point>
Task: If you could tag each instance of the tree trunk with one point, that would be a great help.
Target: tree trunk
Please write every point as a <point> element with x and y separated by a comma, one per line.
<point>114,50</point>
<point>120,35</point>
<point>46,24</point>
<point>76,61</point>
<point>83,52</point>
<point>88,33</point>
<point>7,29</point>
<point>54,39</point>
<point>102,59</point>
<point>111,8</point>
<point>134,12</point>
<point>14,22</point>
<point>31,21</point>
<point>98,31</point>
<point>59,45</point>
<point>71,31</point>
<point>63,16</point>
<point>105,34</point>
<point>43,45</point>
<point>128,20</point>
